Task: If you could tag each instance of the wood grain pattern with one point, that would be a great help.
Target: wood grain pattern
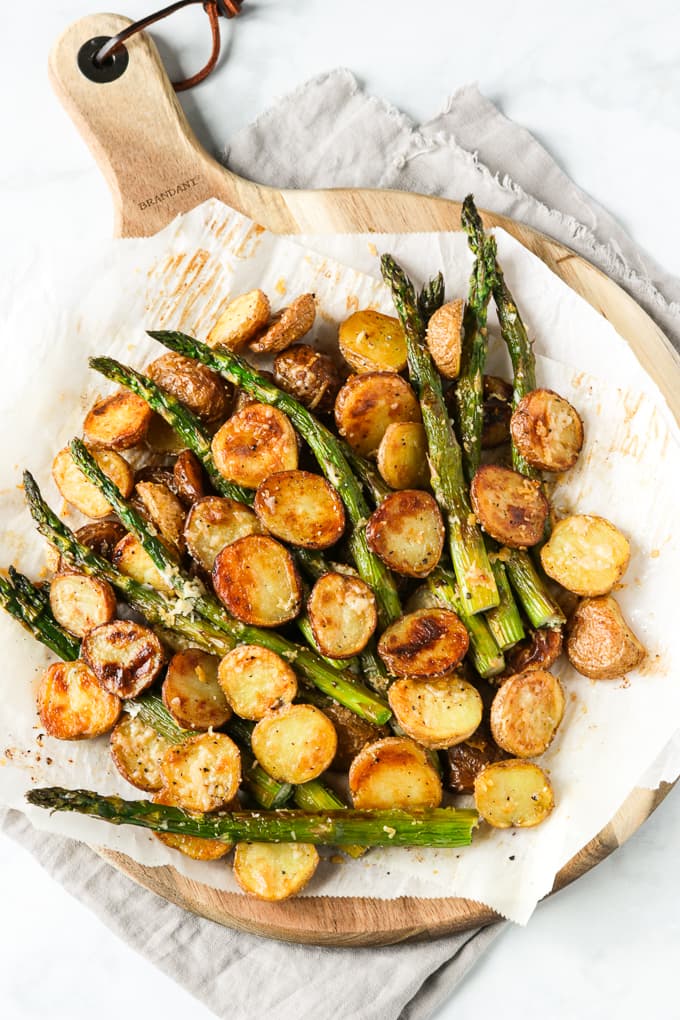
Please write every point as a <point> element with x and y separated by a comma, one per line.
<point>156,169</point>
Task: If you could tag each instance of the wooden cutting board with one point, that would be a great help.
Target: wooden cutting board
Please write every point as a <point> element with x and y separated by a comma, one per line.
<point>156,169</point>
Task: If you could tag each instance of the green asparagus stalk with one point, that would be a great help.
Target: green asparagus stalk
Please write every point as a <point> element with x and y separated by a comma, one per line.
<point>431,298</point>
<point>31,608</point>
<point>367,473</point>
<point>541,609</point>
<point>438,827</point>
<point>468,552</point>
<point>485,655</point>
<point>505,622</point>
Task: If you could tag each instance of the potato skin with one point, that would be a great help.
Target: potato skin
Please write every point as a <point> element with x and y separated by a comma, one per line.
<point>72,705</point>
<point>510,508</point>
<point>367,404</point>
<point>164,510</point>
<point>586,554</point>
<point>466,760</point>
<point>80,603</point>
<point>407,532</point>
<point>202,773</point>
<point>438,713</point>
<point>253,444</point>
<point>294,744</point>
<point>256,579</point>
<point>274,871</point>
<point>497,412</point>
<point>526,712</point>
<point>540,650</point>
<point>301,508</point>
<point>256,681</point>
<point>191,846</point>
<point>600,644</point>
<point>117,422</point>
<point>81,493</point>
<point>125,657</point>
<point>215,522</point>
<point>444,337</point>
<point>241,320</point>
<point>101,537</point>
<point>402,456</point>
<point>394,773</point>
<point>188,478</point>
<point>202,390</point>
<point>287,326</point>
<point>352,732</point>
<point>426,643</point>
<point>343,614</point>
<point>191,692</point>
<point>513,793</point>
<point>547,430</point>
<point>372,342</point>
<point>310,376</point>
<point>137,749</point>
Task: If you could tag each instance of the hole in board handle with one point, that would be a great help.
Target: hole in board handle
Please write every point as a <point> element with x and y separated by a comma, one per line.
<point>111,69</point>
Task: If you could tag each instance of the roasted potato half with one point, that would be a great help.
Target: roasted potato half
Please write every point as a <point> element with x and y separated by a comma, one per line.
<point>513,793</point>
<point>191,846</point>
<point>394,773</point>
<point>437,713</point>
<point>466,760</point>
<point>407,532</point>
<point>137,750</point>
<point>188,478</point>
<point>132,559</point>
<point>72,705</point>
<point>274,871</point>
<point>117,422</point>
<point>215,522</point>
<point>80,603</point>
<point>444,337</point>
<point>256,579</point>
<point>255,681</point>
<point>510,508</point>
<point>367,404</point>
<point>372,342</point>
<point>203,391</point>
<point>547,431</point>
<point>125,657</point>
<point>540,650</point>
<point>426,643</point>
<point>600,644</point>
<point>165,512</point>
<point>241,320</point>
<point>161,437</point>
<point>497,412</point>
<point>253,444</point>
<point>526,712</point>
<point>294,744</point>
<point>586,554</point>
<point>287,326</point>
<point>301,508</point>
<point>202,773</point>
<point>101,537</point>
<point>310,376</point>
<point>402,456</point>
<point>343,614</point>
<point>191,692</point>
<point>82,494</point>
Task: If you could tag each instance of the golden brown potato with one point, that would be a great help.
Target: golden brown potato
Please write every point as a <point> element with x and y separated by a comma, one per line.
<point>540,650</point>
<point>437,713</point>
<point>310,376</point>
<point>203,391</point>
<point>467,759</point>
<point>394,773</point>
<point>80,603</point>
<point>191,692</point>
<point>497,412</point>
<point>117,422</point>
<point>547,431</point>
<point>161,437</point>
<point>402,456</point>
<point>137,749</point>
<point>407,532</point>
<point>444,337</point>
<point>202,773</point>
<point>287,326</point>
<point>241,320</point>
<point>82,494</point>
<point>256,681</point>
<point>188,478</point>
<point>253,444</point>
<point>125,657</point>
<point>130,558</point>
<point>164,510</point>
<point>513,792</point>
<point>353,733</point>
<point>586,554</point>
<point>600,644</point>
<point>215,522</point>
<point>274,871</point>
<point>343,614</point>
<point>510,508</point>
<point>372,342</point>
<point>301,508</point>
<point>295,744</point>
<point>367,404</point>
<point>526,712</point>
<point>72,705</point>
<point>426,643</point>
<point>256,579</point>
<point>191,846</point>
<point>101,537</point>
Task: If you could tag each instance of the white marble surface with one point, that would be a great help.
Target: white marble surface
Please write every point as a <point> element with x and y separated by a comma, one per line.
<point>599,84</point>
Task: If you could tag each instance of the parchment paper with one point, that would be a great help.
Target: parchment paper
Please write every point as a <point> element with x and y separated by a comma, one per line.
<point>101,301</point>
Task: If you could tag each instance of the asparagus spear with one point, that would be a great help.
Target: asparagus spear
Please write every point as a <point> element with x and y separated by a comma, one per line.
<point>468,552</point>
<point>505,622</point>
<point>431,297</point>
<point>440,827</point>
<point>487,658</point>
<point>30,606</point>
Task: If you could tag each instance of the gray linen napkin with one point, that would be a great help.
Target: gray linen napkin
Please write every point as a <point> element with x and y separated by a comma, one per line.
<point>330,134</point>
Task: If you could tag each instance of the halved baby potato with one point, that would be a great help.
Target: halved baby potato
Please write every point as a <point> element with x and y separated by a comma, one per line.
<point>81,493</point>
<point>526,712</point>
<point>310,376</point>
<point>402,456</point>
<point>125,657</point>
<point>71,703</point>
<point>274,871</point>
<point>255,681</point>
<point>215,522</point>
<point>101,537</point>
<point>80,603</point>
<point>466,760</point>
<point>132,559</point>
<point>117,422</point>
<point>444,337</point>
<point>161,437</point>
<point>372,342</point>
<point>394,773</point>
<point>164,510</point>
<point>191,692</point>
<point>253,444</point>
<point>191,846</point>
<point>586,554</point>
<point>509,507</point>
<point>287,326</point>
<point>343,614</point>
<point>256,579</point>
<point>600,644</point>
<point>188,478</point>
<point>547,431</point>
<point>367,404</point>
<point>203,391</point>
<point>513,793</point>
<point>497,412</point>
<point>407,532</point>
<point>202,773</point>
<point>540,650</point>
<point>426,643</point>
<point>294,744</point>
<point>437,713</point>
<point>301,508</point>
<point>241,320</point>
<point>137,750</point>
